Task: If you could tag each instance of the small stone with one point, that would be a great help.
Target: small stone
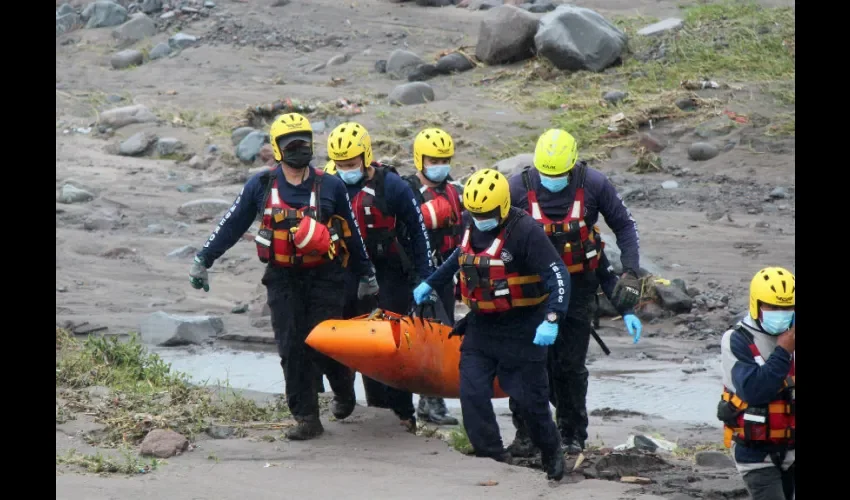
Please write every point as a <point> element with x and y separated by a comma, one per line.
<point>615,96</point>
<point>182,40</point>
<point>240,309</point>
<point>168,145</point>
<point>204,208</point>
<point>339,59</point>
<point>714,459</point>
<point>127,115</point>
<point>541,7</point>
<point>239,133</point>
<point>209,5</point>
<point>167,15</point>
<point>411,93</point>
<point>72,194</point>
<point>198,163</point>
<point>220,431</point>
<point>150,6</point>
<point>211,149</point>
<point>651,143</point>
<point>702,151</point>
<point>686,104</point>
<point>182,252</point>
<point>669,185</point>
<point>127,58</point>
<point>137,144</point>
<point>779,193</point>
<point>185,188</point>
<point>161,50</point>
<point>422,72</point>
<point>661,27</point>
<point>61,289</point>
<point>381,66</point>
<point>162,443</point>
<point>154,229</point>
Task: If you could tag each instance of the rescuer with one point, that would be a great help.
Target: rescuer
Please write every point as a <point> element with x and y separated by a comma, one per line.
<point>306,240</point>
<point>566,196</point>
<point>758,405</point>
<point>382,203</point>
<point>517,289</point>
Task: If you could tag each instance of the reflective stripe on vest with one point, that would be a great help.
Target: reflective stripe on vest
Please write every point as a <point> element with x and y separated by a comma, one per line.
<point>485,284</point>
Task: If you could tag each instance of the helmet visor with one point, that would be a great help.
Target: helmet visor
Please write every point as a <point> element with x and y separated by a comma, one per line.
<point>285,140</point>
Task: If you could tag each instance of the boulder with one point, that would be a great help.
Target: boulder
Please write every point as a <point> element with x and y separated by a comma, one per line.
<point>71,194</point>
<point>67,22</point>
<point>674,298</point>
<point>411,93</point>
<point>161,50</point>
<point>126,115</point>
<point>401,62</point>
<point>454,63</point>
<point>182,40</point>
<point>506,35</point>
<point>514,165</point>
<point>137,144</point>
<point>206,208</point>
<point>168,145</point>
<point>239,133</point>
<point>163,443</point>
<point>714,459</point>
<point>127,59</point>
<point>103,14</point>
<point>163,329</point>
<point>249,147</point>
<point>138,27</point>
<point>576,38</point>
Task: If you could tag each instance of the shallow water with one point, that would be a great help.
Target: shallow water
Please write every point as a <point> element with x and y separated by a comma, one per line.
<point>651,387</point>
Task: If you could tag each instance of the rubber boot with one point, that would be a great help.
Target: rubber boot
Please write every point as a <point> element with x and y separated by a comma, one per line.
<point>554,466</point>
<point>431,409</point>
<point>305,429</point>
<point>522,445</point>
<point>342,407</point>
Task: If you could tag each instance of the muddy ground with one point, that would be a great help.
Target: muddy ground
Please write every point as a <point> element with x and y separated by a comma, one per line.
<point>113,266</point>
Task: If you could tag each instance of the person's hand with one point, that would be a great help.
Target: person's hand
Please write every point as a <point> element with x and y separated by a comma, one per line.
<point>198,276</point>
<point>368,286</point>
<point>626,292</point>
<point>421,292</point>
<point>546,333</point>
<point>633,325</point>
<point>787,340</point>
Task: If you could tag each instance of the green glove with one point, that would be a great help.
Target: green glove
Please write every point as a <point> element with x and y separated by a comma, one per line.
<point>198,276</point>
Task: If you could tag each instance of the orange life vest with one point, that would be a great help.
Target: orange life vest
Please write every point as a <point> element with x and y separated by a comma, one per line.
<point>446,237</point>
<point>771,426</point>
<point>580,246</point>
<point>370,208</point>
<point>275,240</point>
<point>488,284</point>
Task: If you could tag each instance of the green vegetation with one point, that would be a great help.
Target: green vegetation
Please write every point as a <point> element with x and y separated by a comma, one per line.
<point>130,463</point>
<point>731,43</point>
<point>140,392</point>
<point>460,441</point>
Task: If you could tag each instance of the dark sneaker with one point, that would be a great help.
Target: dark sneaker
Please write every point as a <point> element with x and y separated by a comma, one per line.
<point>307,429</point>
<point>434,410</point>
<point>342,407</point>
<point>554,466</point>
<point>522,446</point>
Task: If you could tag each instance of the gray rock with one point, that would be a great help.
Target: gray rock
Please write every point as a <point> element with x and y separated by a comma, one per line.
<point>167,15</point>
<point>401,62</point>
<point>249,147</point>
<point>150,6</point>
<point>162,443</point>
<point>168,145</point>
<point>381,66</point>
<point>198,163</point>
<point>161,50</point>
<point>411,93</point>
<point>339,59</point>
<point>239,133</point>
<point>435,3</point>
<point>126,115</point>
<point>211,149</point>
<point>97,223</point>
<point>163,329</point>
<point>67,22</point>
<point>514,165</point>
<point>206,208</point>
<point>686,104</point>
<point>661,27</point>
<point>185,188</point>
<point>541,7</point>
<point>103,14</point>
<point>702,151</point>
<point>423,72</point>
<point>209,5</point>
<point>154,229</point>
<point>138,27</point>
<point>182,252</point>
<point>613,253</point>
<point>505,35</point>
<point>484,4</point>
<point>72,194</point>
<point>576,38</point>
<point>673,298</point>
<point>651,143</point>
<point>454,63</point>
<point>127,58</point>
<point>615,96</point>
<point>64,9</point>
<point>714,459</point>
<point>137,144</point>
<point>216,431</point>
<point>182,40</point>
<point>240,309</point>
<point>318,126</point>
<point>669,185</point>
<point>779,193</point>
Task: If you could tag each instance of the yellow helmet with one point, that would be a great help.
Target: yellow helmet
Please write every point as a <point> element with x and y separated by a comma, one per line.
<point>330,167</point>
<point>773,286</point>
<point>287,128</point>
<point>555,153</point>
<point>485,191</point>
<point>350,140</point>
<point>432,142</point>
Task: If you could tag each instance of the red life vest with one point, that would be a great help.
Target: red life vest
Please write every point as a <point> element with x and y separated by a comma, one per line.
<point>275,242</point>
<point>370,208</point>
<point>490,285</point>
<point>446,237</point>
<point>580,246</point>
<point>771,426</point>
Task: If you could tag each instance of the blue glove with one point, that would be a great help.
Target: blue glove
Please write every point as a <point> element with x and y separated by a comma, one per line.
<point>546,333</point>
<point>633,326</point>
<point>421,292</point>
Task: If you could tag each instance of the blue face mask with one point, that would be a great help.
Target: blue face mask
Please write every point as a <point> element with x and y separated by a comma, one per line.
<point>351,177</point>
<point>437,173</point>
<point>776,322</point>
<point>554,184</point>
<point>486,224</point>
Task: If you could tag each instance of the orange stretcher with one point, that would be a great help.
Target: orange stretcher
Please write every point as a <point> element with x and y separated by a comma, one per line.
<point>404,352</point>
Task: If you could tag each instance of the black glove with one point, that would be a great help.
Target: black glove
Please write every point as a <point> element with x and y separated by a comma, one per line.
<point>460,327</point>
<point>626,292</point>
